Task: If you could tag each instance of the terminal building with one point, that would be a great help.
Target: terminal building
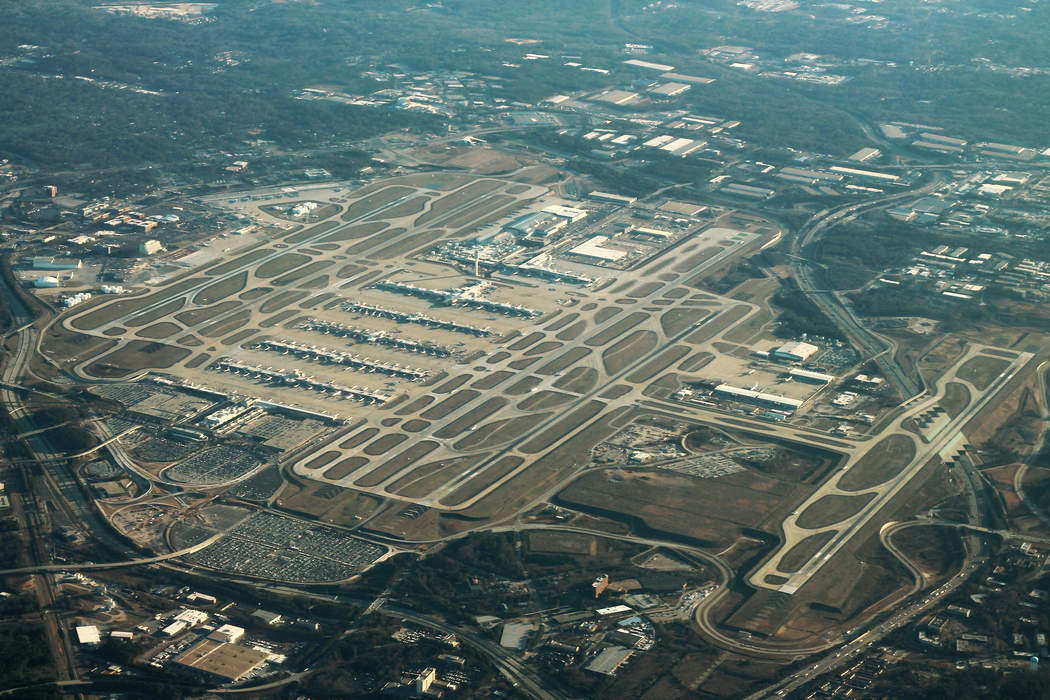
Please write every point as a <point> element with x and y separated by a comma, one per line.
<point>757,398</point>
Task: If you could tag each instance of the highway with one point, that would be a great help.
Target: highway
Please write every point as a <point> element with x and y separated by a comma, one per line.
<point>809,274</point>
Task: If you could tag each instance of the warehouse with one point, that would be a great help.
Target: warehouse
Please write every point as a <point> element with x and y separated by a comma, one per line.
<point>594,247</point>
<point>795,351</point>
<point>571,213</point>
<point>228,662</point>
<point>804,375</point>
<point>609,661</point>
<point>614,198</point>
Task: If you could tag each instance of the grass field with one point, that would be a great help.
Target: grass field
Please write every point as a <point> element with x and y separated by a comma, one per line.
<point>327,502</point>
<point>604,314</point>
<point>480,482</point>
<point>493,379</point>
<point>279,301</point>
<point>525,342</point>
<point>193,317</point>
<point>883,461</point>
<point>696,362</point>
<point>227,325</point>
<point>472,417</point>
<point>956,398</point>
<point>352,233</point>
<point>453,384</point>
<point>658,364</point>
<point>359,438</point>
<point>155,314</point>
<point>544,348</point>
<point>345,468</point>
<point>710,511</point>
<point>498,432</point>
<point>452,403</point>
<point>982,371</point>
<point>617,329</point>
<point>159,331</point>
<point>581,380</point>
<point>561,321</point>
<point>563,427</point>
<point>572,332</point>
<point>451,201</point>
<point>135,356</point>
<point>523,363</point>
<point>832,509</point>
<point>281,265</point>
<point>221,289</point>
<point>563,361</point>
<point>542,400</point>
<point>385,444</point>
<point>374,201</point>
<point>796,557</point>
<point>628,350</point>
<point>677,320</point>
<point>277,319</point>
<point>403,460</point>
<point>303,272</point>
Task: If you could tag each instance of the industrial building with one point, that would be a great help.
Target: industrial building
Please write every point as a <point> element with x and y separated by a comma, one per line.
<point>795,351</point>
<point>50,263</point>
<point>45,282</point>
<point>150,247</point>
<point>594,247</point>
<point>227,634</point>
<point>571,213</point>
<point>515,635</point>
<point>609,661</point>
<point>804,375</point>
<point>228,662</point>
<point>613,198</point>
<point>88,634</point>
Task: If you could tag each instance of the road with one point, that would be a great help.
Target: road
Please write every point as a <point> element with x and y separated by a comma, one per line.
<point>809,276</point>
<point>947,441</point>
<point>101,566</point>
<point>1043,448</point>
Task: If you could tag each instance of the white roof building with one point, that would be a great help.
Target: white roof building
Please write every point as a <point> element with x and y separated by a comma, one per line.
<point>227,633</point>
<point>88,634</point>
<point>191,617</point>
<point>795,351</point>
<point>594,247</point>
